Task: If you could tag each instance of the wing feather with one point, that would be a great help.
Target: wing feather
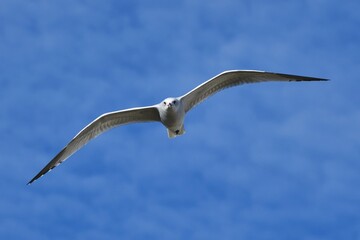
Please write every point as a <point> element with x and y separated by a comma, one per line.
<point>233,78</point>
<point>100,125</point>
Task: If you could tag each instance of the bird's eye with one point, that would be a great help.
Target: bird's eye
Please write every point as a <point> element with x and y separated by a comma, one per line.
<point>174,102</point>
<point>164,103</point>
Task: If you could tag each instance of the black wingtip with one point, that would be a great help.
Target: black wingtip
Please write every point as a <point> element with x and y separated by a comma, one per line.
<point>39,175</point>
<point>311,79</point>
<point>317,79</point>
<point>322,79</point>
<point>31,181</point>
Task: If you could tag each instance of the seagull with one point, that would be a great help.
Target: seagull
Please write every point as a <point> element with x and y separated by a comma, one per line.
<point>170,112</point>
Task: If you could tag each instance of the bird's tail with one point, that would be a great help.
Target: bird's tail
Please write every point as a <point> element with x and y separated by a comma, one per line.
<point>172,133</point>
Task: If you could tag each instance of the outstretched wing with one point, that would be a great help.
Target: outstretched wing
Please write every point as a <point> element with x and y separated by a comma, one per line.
<point>233,78</point>
<point>98,126</point>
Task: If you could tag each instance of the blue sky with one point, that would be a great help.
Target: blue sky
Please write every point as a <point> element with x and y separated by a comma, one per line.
<point>261,161</point>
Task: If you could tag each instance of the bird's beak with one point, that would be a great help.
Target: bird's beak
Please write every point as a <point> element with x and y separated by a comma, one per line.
<point>169,105</point>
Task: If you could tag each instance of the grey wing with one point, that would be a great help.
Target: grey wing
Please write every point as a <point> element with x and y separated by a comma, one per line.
<point>98,126</point>
<point>233,78</point>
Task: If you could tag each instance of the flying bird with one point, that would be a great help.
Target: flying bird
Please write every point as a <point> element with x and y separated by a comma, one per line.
<point>170,112</point>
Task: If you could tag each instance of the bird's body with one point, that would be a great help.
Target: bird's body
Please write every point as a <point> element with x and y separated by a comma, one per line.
<point>170,112</point>
<point>172,115</point>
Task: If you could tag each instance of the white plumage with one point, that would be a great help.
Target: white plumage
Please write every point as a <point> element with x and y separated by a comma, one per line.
<point>170,112</point>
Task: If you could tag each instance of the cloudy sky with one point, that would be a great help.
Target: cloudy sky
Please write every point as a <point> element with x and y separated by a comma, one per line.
<point>261,161</point>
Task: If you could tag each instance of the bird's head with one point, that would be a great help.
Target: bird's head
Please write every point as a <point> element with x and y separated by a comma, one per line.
<point>171,104</point>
